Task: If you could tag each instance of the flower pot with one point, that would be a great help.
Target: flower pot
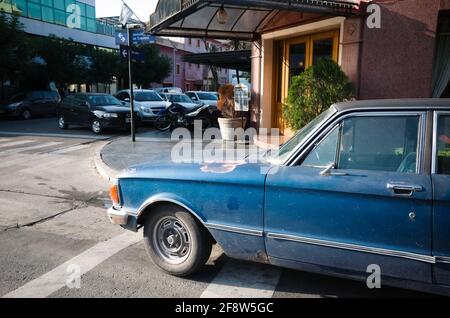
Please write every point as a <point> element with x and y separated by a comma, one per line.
<point>228,128</point>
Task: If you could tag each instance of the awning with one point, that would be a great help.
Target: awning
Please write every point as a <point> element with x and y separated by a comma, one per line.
<point>233,19</point>
<point>236,60</point>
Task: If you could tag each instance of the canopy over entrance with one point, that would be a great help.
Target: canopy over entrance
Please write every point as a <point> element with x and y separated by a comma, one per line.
<point>237,60</point>
<point>233,19</point>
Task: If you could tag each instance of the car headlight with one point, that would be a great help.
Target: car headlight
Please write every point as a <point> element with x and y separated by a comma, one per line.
<point>14,105</point>
<point>101,114</point>
<point>110,115</point>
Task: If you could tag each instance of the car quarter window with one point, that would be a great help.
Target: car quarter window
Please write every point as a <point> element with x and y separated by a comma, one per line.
<point>379,143</point>
<point>443,145</point>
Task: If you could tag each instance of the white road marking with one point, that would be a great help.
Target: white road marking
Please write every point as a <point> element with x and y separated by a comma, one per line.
<point>25,148</point>
<point>243,280</point>
<point>16,143</point>
<point>68,135</point>
<point>56,279</point>
<point>70,149</point>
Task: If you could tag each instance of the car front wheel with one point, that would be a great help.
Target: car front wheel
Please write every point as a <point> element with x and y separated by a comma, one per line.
<point>26,114</point>
<point>96,126</point>
<point>62,122</point>
<point>175,241</point>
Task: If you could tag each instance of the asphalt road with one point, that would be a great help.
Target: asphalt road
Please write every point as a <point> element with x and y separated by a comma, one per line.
<point>53,226</point>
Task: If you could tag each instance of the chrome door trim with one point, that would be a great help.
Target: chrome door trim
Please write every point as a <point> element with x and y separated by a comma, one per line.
<point>443,259</point>
<point>233,229</point>
<point>354,247</point>
<point>301,151</point>
<point>436,115</point>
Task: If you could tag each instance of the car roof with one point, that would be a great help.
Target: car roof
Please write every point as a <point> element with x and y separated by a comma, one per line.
<point>137,90</point>
<point>394,104</point>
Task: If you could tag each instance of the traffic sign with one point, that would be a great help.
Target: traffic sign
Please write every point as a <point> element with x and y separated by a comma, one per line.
<point>121,37</point>
<point>139,37</point>
<point>136,55</point>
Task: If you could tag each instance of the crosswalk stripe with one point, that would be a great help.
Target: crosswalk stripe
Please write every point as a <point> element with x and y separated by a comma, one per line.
<point>243,280</point>
<point>70,149</point>
<point>16,143</point>
<point>40,146</point>
<point>58,278</point>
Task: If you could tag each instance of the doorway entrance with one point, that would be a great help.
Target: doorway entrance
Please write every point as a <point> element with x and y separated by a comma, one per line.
<point>291,58</point>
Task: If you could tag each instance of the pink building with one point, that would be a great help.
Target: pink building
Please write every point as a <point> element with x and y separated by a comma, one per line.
<point>185,75</point>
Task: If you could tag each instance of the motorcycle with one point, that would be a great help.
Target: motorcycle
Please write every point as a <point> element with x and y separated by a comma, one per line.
<point>176,116</point>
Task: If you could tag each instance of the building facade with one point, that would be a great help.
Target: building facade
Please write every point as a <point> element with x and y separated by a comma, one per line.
<point>387,48</point>
<point>68,19</point>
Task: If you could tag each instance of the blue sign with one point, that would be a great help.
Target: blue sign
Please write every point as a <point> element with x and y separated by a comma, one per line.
<point>136,55</point>
<point>139,37</point>
<point>122,37</point>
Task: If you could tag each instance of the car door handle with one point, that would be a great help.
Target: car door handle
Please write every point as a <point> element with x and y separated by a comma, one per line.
<point>404,189</point>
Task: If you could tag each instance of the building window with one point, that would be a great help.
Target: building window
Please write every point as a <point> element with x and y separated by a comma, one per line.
<point>47,14</point>
<point>34,10</point>
<point>59,17</point>
<point>48,3</point>
<point>178,69</point>
<point>20,6</point>
<point>91,26</point>
<point>90,12</point>
<point>59,4</point>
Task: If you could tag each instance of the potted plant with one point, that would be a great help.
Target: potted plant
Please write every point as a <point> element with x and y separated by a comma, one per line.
<point>314,91</point>
<point>231,119</point>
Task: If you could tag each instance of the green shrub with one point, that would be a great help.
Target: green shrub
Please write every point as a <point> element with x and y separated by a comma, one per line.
<point>314,91</point>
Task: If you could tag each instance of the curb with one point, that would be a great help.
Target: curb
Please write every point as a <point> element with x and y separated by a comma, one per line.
<point>102,168</point>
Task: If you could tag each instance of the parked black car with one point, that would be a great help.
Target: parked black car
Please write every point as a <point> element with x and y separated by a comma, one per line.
<point>98,111</point>
<point>30,104</point>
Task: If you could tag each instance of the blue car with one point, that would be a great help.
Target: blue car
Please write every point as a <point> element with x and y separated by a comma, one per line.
<point>365,183</point>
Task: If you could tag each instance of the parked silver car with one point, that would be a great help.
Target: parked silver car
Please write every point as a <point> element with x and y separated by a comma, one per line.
<point>206,98</point>
<point>147,102</point>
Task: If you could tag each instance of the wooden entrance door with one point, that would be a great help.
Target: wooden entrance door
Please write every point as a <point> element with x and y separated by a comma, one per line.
<point>291,58</point>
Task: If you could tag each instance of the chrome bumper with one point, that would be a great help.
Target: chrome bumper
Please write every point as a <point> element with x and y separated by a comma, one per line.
<point>117,216</point>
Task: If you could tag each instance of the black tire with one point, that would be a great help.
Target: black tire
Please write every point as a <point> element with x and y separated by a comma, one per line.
<point>96,126</point>
<point>200,243</point>
<point>26,114</point>
<point>62,124</point>
<point>163,123</point>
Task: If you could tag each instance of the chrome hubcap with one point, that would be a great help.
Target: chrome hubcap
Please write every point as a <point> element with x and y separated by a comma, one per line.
<point>171,240</point>
<point>96,126</point>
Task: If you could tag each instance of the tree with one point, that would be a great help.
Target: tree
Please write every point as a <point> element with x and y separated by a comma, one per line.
<point>105,65</point>
<point>12,50</point>
<point>314,91</point>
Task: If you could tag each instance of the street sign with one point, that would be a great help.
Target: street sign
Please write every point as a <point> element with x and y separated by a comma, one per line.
<point>139,37</point>
<point>136,55</point>
<point>121,37</point>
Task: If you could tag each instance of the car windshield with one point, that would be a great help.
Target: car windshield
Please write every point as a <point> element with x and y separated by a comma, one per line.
<point>103,100</point>
<point>147,97</point>
<point>207,96</point>
<point>280,155</point>
<point>180,98</point>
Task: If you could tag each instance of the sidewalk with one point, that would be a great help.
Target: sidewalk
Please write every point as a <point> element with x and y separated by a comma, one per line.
<point>152,147</point>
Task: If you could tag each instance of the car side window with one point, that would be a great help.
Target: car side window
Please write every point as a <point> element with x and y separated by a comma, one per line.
<point>377,143</point>
<point>443,145</point>
<point>380,143</point>
<point>324,153</point>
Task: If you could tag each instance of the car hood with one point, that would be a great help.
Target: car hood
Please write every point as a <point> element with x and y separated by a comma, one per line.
<point>113,109</point>
<point>239,172</point>
<point>188,105</point>
<point>209,102</point>
<point>152,104</point>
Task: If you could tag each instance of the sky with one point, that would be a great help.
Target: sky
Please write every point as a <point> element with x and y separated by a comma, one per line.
<point>142,8</point>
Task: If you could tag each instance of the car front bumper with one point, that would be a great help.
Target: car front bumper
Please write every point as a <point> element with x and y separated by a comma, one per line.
<point>117,216</point>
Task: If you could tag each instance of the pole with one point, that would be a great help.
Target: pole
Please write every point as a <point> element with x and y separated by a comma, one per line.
<point>130,77</point>
<point>174,64</point>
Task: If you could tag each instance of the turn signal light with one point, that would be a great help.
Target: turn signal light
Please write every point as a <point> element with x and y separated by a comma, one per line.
<point>114,193</point>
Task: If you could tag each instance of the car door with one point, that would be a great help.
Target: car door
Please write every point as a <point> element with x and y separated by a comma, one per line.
<point>374,207</point>
<point>441,207</point>
<point>37,103</point>
<point>80,109</point>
